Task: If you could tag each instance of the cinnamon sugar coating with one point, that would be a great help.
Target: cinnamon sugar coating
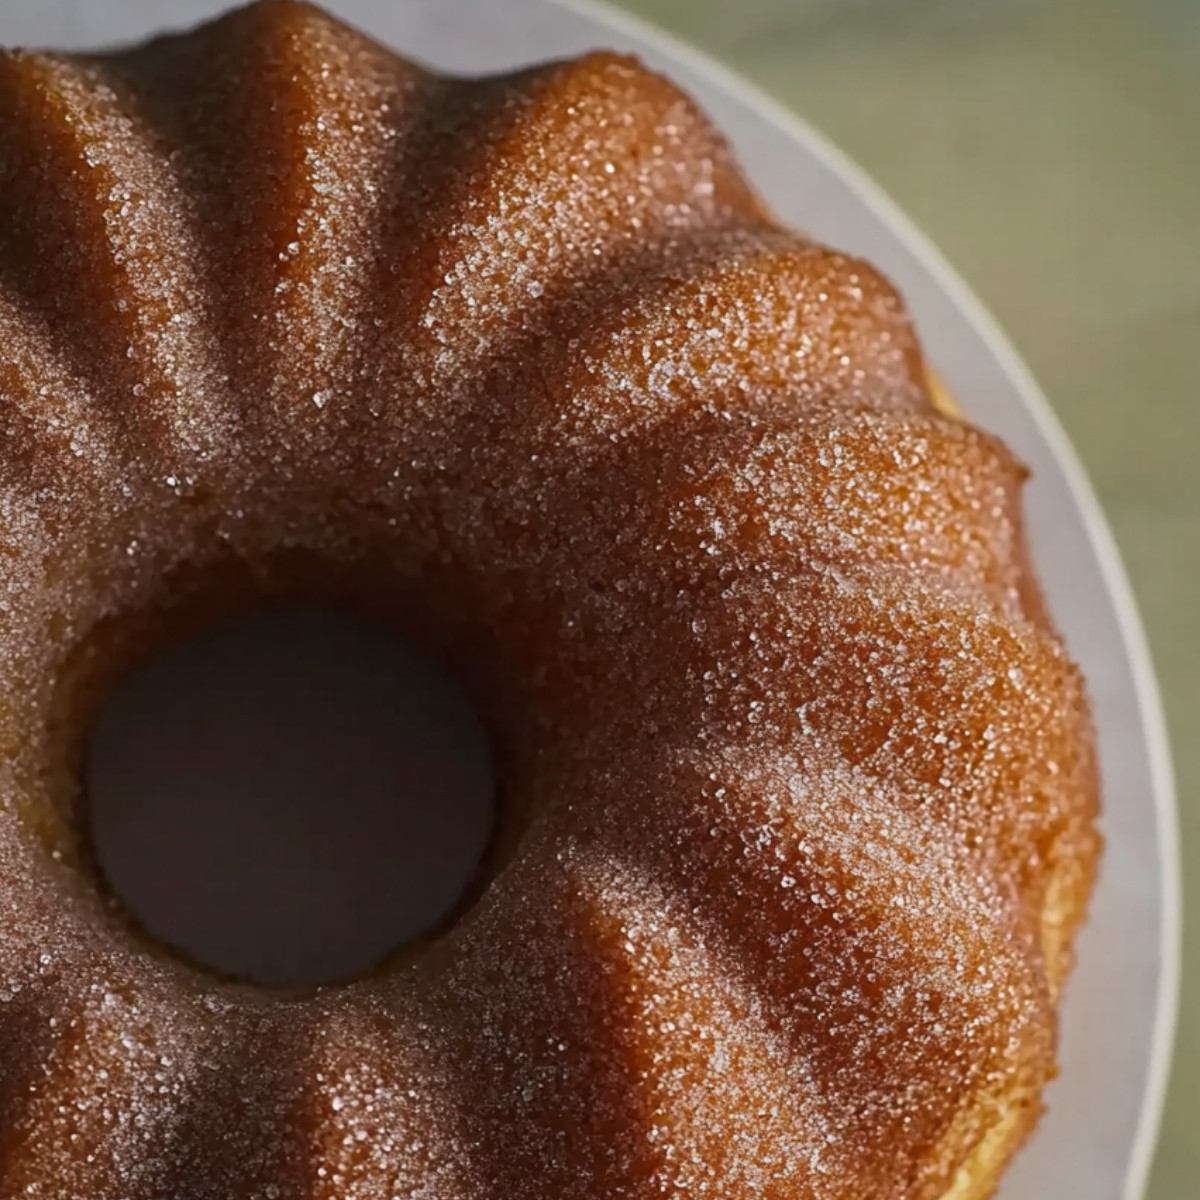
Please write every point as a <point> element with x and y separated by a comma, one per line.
<point>798,782</point>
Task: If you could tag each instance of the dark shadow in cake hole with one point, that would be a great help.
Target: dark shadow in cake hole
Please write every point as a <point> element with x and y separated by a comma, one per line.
<point>289,796</point>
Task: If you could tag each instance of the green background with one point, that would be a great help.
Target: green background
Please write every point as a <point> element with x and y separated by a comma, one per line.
<point>1052,150</point>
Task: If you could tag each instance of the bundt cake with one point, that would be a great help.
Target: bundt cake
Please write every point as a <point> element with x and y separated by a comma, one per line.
<point>796,783</point>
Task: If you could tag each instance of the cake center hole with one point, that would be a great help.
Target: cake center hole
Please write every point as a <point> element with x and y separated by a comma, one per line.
<point>289,796</point>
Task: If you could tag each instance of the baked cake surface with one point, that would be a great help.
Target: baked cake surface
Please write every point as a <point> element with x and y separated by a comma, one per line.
<point>797,781</point>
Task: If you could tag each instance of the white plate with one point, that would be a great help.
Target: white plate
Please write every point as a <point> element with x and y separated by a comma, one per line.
<point>1096,1141</point>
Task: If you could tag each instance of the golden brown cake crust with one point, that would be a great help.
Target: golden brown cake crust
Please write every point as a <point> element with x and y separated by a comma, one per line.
<point>799,782</point>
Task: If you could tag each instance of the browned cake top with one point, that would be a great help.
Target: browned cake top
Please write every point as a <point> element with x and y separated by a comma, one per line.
<point>799,782</point>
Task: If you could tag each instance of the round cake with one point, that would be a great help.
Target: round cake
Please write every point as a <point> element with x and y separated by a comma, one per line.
<point>797,785</point>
